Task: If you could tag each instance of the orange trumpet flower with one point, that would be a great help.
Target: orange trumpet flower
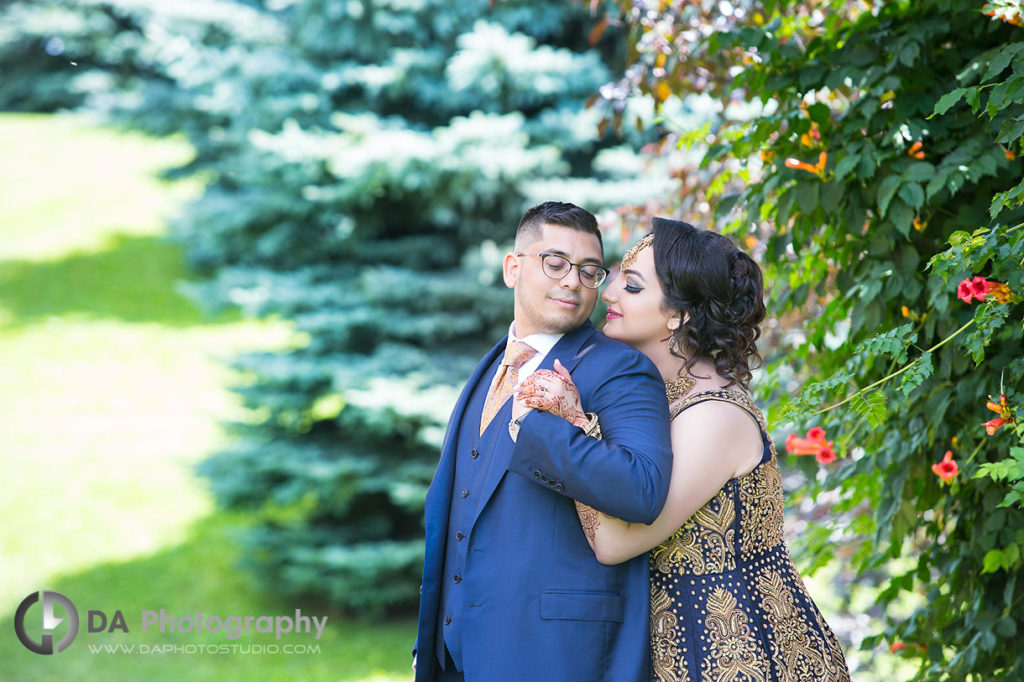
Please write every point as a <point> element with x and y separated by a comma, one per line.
<point>947,469</point>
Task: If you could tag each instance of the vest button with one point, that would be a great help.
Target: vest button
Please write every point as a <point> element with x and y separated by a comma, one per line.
<point>447,620</point>
<point>457,578</point>
<point>464,493</point>
<point>474,453</point>
<point>459,535</point>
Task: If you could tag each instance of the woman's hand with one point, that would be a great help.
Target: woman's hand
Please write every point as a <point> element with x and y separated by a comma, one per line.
<point>553,392</point>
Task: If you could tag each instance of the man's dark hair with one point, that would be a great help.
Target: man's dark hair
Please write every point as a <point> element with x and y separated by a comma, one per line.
<point>555,213</point>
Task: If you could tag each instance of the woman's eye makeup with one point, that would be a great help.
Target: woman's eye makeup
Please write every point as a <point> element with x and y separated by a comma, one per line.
<point>632,288</point>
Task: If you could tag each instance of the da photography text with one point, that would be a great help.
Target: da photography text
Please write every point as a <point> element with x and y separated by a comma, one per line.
<point>47,622</point>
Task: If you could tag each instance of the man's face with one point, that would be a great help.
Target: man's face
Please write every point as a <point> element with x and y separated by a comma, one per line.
<point>543,304</point>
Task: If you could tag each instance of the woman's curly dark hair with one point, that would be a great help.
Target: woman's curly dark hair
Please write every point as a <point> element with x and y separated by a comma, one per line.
<point>704,275</point>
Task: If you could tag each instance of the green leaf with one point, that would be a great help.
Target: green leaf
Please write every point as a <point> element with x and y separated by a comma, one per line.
<point>973,97</point>
<point>886,191</point>
<point>807,196</point>
<point>1006,627</point>
<point>867,165</point>
<point>871,406</point>
<point>845,165</point>
<point>726,204</point>
<point>863,54</point>
<point>901,215</point>
<point>831,194</point>
<point>1001,60</point>
<point>938,183</point>
<point>947,101</point>
<point>915,376</point>
<point>912,194</point>
<point>919,171</point>
<point>997,98</point>
<point>993,561</point>
<point>908,55</point>
<point>1011,130</point>
<point>819,113</point>
<point>890,502</point>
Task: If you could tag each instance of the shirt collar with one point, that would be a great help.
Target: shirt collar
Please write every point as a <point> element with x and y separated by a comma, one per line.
<point>541,342</point>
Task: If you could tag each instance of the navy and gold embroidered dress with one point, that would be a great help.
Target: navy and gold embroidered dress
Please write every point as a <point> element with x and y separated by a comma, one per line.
<point>727,602</point>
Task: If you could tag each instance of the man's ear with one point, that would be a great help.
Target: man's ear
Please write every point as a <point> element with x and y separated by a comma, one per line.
<point>510,270</point>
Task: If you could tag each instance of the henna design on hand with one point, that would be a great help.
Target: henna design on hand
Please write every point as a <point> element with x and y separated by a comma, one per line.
<point>590,519</point>
<point>551,392</point>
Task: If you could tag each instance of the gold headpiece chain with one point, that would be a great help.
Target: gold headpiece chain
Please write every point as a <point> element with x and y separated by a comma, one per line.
<point>631,255</point>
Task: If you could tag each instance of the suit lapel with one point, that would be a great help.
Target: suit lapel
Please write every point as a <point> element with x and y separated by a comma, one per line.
<point>440,493</point>
<point>569,350</point>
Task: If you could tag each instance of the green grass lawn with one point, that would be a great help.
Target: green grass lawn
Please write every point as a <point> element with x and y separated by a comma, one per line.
<point>112,386</point>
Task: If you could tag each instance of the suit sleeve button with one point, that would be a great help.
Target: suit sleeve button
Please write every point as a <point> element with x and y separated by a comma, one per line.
<point>536,474</point>
<point>559,487</point>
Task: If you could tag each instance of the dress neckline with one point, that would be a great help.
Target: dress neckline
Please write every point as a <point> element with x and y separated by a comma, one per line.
<point>741,400</point>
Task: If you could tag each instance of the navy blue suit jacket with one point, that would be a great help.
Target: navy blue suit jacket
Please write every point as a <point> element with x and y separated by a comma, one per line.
<point>537,604</point>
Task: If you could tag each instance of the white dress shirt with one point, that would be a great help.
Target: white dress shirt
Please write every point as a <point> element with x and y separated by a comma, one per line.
<point>541,342</point>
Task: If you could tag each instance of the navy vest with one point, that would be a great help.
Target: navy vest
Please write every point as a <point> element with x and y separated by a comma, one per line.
<point>471,462</point>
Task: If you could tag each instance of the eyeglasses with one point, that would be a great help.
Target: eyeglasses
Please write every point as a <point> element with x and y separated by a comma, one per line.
<point>557,267</point>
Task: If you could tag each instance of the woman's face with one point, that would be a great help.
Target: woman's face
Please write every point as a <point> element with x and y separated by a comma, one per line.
<point>636,311</point>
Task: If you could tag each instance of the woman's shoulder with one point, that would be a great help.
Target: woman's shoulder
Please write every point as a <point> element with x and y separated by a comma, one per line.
<point>723,405</point>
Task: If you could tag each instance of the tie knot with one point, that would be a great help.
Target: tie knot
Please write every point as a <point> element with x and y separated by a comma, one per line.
<point>518,354</point>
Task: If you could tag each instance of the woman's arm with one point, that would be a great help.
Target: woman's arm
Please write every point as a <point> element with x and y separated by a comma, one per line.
<point>712,442</point>
<point>625,474</point>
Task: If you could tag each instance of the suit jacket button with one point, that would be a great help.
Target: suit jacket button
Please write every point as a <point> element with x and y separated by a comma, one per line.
<point>457,578</point>
<point>474,453</point>
<point>447,620</point>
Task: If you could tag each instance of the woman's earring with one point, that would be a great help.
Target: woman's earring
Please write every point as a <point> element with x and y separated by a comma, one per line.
<point>673,345</point>
<point>674,336</point>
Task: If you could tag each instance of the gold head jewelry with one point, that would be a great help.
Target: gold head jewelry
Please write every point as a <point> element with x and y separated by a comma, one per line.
<point>630,256</point>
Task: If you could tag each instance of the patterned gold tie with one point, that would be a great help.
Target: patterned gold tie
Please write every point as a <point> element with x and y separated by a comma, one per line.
<point>517,354</point>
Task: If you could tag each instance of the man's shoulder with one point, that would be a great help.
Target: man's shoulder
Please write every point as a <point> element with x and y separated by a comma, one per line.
<point>602,349</point>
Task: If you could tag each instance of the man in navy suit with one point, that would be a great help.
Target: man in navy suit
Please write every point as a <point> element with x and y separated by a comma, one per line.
<point>511,588</point>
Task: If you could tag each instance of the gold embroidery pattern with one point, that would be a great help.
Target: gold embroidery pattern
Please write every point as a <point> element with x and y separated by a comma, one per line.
<point>725,396</point>
<point>796,655</point>
<point>734,608</point>
<point>761,501</point>
<point>705,543</point>
<point>666,658</point>
<point>733,653</point>
<point>590,519</point>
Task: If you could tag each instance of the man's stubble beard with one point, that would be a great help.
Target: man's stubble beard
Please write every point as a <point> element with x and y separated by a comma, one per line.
<point>556,324</point>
